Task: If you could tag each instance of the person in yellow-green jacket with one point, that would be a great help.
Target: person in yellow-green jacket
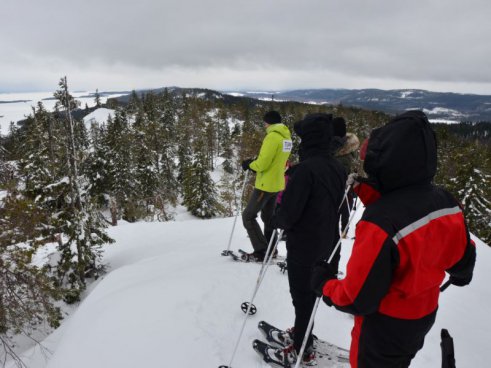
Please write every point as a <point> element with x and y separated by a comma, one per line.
<point>269,167</point>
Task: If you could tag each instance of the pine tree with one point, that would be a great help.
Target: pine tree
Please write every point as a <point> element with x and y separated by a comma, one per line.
<point>199,190</point>
<point>97,98</point>
<point>84,227</point>
<point>464,168</point>
<point>42,171</point>
<point>119,165</point>
<point>471,185</point>
<point>27,292</point>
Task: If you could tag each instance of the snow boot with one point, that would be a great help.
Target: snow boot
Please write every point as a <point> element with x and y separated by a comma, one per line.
<point>256,256</point>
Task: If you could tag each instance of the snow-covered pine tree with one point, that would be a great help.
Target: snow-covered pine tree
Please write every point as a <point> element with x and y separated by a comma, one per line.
<point>84,226</point>
<point>226,195</point>
<point>200,196</point>
<point>464,168</point>
<point>119,166</point>
<point>146,174</point>
<point>97,98</point>
<point>7,169</point>
<point>41,168</point>
<point>471,185</point>
<point>27,292</point>
<point>168,148</point>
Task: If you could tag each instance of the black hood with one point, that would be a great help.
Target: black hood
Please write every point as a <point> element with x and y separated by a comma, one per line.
<point>402,153</point>
<point>315,132</point>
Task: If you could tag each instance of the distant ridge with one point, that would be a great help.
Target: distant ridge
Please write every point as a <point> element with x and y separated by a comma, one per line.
<point>437,105</point>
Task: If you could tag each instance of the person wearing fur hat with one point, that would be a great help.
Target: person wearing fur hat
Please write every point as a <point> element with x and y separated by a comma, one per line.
<point>410,235</point>
<point>269,167</point>
<point>308,214</point>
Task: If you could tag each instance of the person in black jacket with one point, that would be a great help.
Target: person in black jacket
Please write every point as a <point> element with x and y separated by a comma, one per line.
<point>309,214</point>
<point>411,233</point>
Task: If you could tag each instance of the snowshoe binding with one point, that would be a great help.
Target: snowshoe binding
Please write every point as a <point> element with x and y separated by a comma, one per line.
<point>284,357</point>
<point>276,336</point>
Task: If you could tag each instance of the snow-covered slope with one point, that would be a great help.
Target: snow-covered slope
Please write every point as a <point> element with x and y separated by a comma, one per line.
<point>17,106</point>
<point>98,117</point>
<point>170,300</point>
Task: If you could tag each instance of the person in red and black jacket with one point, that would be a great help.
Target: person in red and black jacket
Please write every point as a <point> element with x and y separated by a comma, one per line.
<point>410,234</point>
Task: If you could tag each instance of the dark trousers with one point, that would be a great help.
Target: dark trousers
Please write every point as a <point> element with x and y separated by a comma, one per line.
<point>380,341</point>
<point>263,202</point>
<point>303,300</point>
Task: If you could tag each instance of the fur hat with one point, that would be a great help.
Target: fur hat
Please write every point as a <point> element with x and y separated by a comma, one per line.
<point>272,117</point>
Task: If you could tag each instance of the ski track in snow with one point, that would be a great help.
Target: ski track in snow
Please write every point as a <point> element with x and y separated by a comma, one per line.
<point>169,299</point>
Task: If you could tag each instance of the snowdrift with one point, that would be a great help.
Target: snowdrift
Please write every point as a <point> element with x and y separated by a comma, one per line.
<point>170,300</point>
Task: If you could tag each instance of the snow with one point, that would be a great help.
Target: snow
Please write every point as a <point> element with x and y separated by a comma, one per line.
<point>405,94</point>
<point>98,117</point>
<point>169,299</point>
<point>15,111</point>
<point>442,110</point>
<point>443,121</point>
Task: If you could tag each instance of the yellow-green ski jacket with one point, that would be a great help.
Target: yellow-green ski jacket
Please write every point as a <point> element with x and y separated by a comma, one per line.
<point>270,163</point>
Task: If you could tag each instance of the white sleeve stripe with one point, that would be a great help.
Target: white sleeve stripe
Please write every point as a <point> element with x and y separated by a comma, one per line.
<point>424,221</point>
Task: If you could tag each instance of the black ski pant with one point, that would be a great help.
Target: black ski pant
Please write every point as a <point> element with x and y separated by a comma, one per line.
<point>303,300</point>
<point>263,202</point>
<point>380,341</point>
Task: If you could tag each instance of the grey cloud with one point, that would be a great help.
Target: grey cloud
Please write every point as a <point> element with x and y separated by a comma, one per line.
<point>421,40</point>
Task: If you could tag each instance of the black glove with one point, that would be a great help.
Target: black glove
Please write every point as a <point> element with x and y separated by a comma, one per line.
<point>246,163</point>
<point>321,273</point>
<point>460,281</point>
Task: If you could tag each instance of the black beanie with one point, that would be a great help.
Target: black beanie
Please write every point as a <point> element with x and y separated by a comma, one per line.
<point>339,127</point>
<point>314,126</point>
<point>272,117</point>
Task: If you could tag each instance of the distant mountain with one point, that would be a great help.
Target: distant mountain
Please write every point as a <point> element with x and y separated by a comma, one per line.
<point>437,105</point>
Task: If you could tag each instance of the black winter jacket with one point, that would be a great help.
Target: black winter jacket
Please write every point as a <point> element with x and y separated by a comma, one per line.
<point>309,208</point>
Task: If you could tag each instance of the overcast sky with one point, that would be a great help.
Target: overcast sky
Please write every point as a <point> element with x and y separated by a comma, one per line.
<point>441,45</point>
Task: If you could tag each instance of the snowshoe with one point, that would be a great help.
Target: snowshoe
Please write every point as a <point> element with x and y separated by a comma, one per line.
<point>284,357</point>
<point>252,257</point>
<point>283,266</point>
<point>326,354</point>
<point>276,336</point>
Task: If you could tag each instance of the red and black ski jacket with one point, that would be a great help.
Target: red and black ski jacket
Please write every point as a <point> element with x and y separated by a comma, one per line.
<point>411,232</point>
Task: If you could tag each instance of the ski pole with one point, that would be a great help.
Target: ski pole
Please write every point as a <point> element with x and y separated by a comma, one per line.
<point>307,333</point>
<point>264,266</point>
<point>227,251</point>
<point>345,196</point>
<point>262,273</point>
<point>445,286</point>
<point>448,353</point>
<point>317,301</point>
